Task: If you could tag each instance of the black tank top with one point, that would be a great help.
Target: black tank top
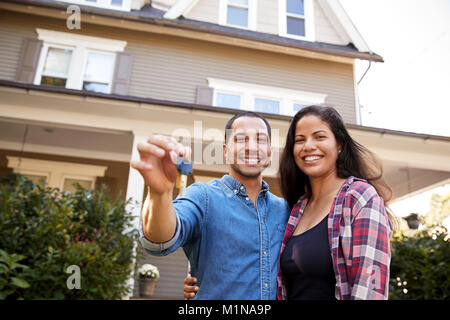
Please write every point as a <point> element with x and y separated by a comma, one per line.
<point>307,266</point>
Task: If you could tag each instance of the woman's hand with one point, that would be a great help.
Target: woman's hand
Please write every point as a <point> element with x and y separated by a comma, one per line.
<point>190,289</point>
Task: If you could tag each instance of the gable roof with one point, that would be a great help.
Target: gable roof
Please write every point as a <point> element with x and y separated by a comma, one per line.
<point>332,8</point>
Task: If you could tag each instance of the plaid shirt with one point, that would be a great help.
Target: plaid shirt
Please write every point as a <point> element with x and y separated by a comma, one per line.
<point>359,235</point>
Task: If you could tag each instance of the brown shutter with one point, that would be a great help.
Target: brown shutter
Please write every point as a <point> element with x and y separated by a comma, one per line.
<point>205,95</point>
<point>29,59</point>
<point>122,73</point>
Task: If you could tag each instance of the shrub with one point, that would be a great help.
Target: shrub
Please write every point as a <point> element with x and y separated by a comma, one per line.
<point>53,230</point>
<point>419,266</point>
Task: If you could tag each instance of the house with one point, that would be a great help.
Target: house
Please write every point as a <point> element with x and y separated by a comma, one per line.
<point>83,81</point>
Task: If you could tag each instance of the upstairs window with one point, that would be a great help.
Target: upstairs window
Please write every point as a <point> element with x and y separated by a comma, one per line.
<point>296,19</point>
<point>122,5</point>
<point>77,62</point>
<point>238,13</point>
<point>56,66</point>
<point>98,71</point>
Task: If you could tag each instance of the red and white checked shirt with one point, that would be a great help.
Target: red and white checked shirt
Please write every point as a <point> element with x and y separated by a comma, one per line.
<point>359,233</point>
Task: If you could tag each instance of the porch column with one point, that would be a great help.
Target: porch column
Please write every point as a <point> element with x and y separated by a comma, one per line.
<point>135,191</point>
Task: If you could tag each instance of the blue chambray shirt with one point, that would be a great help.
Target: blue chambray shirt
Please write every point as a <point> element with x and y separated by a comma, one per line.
<point>233,247</point>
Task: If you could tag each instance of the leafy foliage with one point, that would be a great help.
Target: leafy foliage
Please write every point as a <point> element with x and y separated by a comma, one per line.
<point>419,266</point>
<point>52,230</point>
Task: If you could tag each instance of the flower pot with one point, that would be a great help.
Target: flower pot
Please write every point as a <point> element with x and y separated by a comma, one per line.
<point>147,287</point>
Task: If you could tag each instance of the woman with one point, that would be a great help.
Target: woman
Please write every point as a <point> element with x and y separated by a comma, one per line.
<point>336,244</point>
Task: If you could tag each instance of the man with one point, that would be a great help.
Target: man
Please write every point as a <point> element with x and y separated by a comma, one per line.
<point>230,228</point>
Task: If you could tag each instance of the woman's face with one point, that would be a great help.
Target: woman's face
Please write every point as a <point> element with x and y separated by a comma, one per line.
<point>315,147</point>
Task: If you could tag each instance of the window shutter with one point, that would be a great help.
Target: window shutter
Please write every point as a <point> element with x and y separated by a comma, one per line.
<point>122,73</point>
<point>29,59</point>
<point>205,95</point>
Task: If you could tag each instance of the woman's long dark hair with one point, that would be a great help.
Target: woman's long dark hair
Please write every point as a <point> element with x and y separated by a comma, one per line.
<point>353,160</point>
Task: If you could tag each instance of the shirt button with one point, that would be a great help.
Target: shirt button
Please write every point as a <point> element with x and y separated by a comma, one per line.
<point>236,191</point>
<point>242,188</point>
<point>266,285</point>
<point>265,252</point>
<point>247,198</point>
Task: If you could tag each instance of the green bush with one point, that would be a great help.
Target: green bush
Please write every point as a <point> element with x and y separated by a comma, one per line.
<point>52,230</point>
<point>419,266</point>
<point>420,259</point>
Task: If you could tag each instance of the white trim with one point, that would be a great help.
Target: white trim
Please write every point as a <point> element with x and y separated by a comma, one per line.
<point>76,40</point>
<point>105,4</point>
<point>308,17</point>
<point>180,8</point>
<point>56,171</point>
<point>252,14</point>
<point>250,91</point>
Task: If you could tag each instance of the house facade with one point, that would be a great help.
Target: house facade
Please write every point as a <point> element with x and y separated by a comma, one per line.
<point>83,81</point>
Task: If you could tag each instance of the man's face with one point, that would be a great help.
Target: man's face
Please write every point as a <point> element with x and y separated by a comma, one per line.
<point>248,150</point>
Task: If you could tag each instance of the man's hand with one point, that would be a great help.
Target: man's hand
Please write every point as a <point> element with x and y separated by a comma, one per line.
<point>157,164</point>
<point>189,288</point>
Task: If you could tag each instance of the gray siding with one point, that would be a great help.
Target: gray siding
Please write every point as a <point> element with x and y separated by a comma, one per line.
<point>171,68</point>
<point>205,10</point>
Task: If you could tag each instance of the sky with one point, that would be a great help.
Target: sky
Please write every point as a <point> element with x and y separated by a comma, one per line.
<point>410,91</point>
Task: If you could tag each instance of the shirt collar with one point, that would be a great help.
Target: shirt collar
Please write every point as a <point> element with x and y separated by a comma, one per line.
<point>238,187</point>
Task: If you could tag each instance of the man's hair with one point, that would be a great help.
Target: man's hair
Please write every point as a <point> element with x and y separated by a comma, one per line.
<point>250,114</point>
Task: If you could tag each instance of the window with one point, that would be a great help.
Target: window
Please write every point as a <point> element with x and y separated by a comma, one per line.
<point>56,66</point>
<point>57,174</point>
<point>69,183</point>
<point>297,19</point>
<point>227,100</point>
<point>122,5</point>
<point>238,13</point>
<point>267,105</point>
<point>77,62</point>
<point>252,97</point>
<point>98,72</point>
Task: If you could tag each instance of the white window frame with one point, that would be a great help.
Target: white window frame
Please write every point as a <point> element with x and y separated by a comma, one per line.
<point>80,45</point>
<point>105,4</point>
<point>252,14</point>
<point>56,171</point>
<point>43,56</point>
<point>287,97</point>
<point>308,17</point>
<point>85,63</point>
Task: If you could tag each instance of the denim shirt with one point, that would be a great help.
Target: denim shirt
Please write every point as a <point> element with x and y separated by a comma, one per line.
<point>232,246</point>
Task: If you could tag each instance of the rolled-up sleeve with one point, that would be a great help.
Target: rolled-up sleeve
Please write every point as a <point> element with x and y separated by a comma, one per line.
<point>190,211</point>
